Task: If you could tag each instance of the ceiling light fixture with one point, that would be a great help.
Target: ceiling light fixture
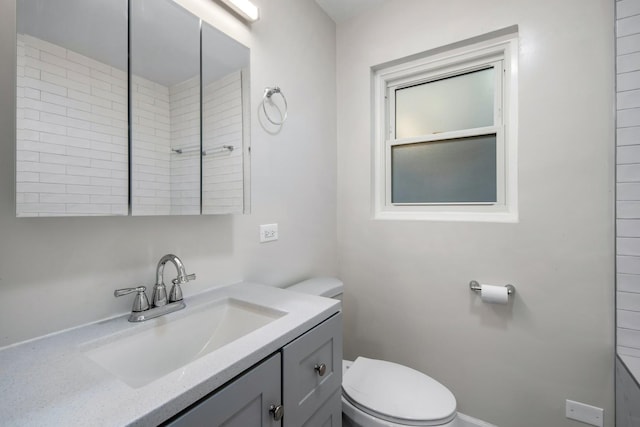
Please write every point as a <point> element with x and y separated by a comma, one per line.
<point>244,8</point>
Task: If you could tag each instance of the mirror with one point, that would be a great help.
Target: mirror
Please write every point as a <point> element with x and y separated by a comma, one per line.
<point>71,108</point>
<point>165,109</point>
<point>109,105</point>
<point>225,123</point>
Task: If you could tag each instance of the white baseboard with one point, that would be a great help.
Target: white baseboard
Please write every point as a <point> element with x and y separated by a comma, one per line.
<point>467,421</point>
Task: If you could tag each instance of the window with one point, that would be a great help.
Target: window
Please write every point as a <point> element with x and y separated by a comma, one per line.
<point>445,140</point>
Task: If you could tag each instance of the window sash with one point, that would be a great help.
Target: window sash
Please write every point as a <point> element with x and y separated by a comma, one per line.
<point>392,87</point>
<point>425,73</point>
<point>497,129</point>
<point>448,104</point>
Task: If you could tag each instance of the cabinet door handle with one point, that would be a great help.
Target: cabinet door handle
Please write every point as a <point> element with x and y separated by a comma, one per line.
<point>320,369</point>
<point>277,412</point>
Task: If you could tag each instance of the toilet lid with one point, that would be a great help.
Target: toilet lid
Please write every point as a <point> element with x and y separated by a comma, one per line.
<point>397,393</point>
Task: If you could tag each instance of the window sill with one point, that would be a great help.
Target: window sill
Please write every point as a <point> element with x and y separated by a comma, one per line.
<point>448,216</point>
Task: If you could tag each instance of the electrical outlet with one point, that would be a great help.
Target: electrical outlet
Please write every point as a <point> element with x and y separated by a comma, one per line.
<point>268,232</point>
<point>586,413</point>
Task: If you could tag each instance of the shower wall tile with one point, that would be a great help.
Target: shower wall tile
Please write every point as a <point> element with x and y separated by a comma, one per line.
<point>71,144</point>
<point>628,176</point>
<point>185,134</point>
<point>222,175</point>
<point>151,147</point>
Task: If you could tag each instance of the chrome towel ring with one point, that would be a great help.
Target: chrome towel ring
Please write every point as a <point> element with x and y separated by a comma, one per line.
<point>268,93</point>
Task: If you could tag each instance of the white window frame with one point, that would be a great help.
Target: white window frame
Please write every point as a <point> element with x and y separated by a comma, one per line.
<point>501,53</point>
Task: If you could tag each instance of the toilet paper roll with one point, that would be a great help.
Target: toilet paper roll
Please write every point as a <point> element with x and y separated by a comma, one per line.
<point>494,294</point>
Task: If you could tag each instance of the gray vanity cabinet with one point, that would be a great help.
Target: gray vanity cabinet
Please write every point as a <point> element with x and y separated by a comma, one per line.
<point>243,403</point>
<point>329,414</point>
<point>304,377</point>
<point>312,376</point>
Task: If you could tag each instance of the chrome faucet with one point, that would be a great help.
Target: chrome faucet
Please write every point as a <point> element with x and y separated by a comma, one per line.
<point>142,310</point>
<point>160,291</point>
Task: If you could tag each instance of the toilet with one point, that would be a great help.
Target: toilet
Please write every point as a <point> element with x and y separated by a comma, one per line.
<point>378,393</point>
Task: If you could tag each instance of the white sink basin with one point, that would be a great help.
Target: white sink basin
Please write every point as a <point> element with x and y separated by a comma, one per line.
<point>170,343</point>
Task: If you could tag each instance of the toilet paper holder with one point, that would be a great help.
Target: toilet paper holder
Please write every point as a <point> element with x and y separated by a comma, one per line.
<point>475,286</point>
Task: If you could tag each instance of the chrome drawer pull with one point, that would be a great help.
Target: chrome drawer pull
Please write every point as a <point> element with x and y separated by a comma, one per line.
<point>277,412</point>
<point>320,369</point>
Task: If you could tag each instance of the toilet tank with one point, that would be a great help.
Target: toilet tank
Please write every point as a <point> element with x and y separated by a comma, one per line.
<point>329,287</point>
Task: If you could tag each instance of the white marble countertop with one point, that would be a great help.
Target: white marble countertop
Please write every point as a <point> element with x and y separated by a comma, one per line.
<point>48,381</point>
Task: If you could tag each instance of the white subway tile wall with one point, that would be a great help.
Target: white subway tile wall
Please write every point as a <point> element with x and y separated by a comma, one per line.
<point>185,134</point>
<point>71,126</point>
<point>151,148</point>
<point>628,176</point>
<point>222,177</point>
<point>72,143</point>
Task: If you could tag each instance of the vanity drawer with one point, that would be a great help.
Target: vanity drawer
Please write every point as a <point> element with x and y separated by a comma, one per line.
<point>312,371</point>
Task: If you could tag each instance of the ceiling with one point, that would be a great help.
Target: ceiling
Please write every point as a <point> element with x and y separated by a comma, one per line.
<point>343,10</point>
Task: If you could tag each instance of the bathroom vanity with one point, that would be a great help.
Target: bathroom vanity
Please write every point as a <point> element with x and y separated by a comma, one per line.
<point>243,355</point>
<point>310,389</point>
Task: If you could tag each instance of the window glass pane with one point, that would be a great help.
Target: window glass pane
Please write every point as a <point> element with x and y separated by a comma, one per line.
<point>453,171</point>
<point>460,102</point>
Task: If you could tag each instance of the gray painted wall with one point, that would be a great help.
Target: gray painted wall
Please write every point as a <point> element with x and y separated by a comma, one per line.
<point>407,296</point>
<point>60,272</point>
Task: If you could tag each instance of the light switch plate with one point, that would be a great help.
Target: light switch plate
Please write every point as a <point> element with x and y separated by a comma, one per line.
<point>586,413</point>
<point>268,232</point>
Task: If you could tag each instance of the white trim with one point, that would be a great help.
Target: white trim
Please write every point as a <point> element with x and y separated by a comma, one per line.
<point>400,80</point>
<point>448,215</point>
<point>503,50</point>
<point>467,421</point>
<point>454,134</point>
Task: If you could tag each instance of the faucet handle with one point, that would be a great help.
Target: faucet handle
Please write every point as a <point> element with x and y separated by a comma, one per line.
<point>126,291</point>
<point>140,302</point>
<point>183,279</point>
<point>176,290</point>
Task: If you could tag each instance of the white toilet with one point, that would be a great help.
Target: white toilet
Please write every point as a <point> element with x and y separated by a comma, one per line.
<point>378,393</point>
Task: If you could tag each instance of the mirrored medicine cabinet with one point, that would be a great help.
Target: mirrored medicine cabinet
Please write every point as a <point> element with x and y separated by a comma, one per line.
<point>128,108</point>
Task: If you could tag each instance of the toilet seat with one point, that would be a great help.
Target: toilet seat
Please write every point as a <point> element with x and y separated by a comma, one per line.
<point>397,394</point>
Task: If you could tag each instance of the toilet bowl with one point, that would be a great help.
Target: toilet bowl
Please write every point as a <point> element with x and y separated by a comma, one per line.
<point>377,393</point>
